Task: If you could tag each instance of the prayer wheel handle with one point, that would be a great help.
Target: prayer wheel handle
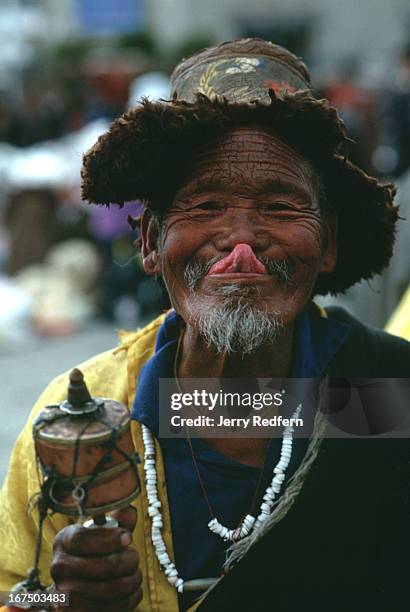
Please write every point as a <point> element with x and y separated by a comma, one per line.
<point>101,520</point>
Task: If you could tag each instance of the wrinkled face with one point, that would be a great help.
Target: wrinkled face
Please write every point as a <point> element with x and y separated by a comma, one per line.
<point>246,224</point>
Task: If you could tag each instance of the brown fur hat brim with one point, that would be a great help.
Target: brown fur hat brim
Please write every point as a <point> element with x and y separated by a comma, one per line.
<point>142,155</point>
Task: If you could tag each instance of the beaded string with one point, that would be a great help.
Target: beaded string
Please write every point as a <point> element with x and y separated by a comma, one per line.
<point>201,483</point>
<point>271,492</point>
<point>250,522</point>
<point>154,512</point>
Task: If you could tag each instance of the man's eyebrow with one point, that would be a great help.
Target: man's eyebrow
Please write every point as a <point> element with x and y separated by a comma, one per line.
<point>270,185</point>
<point>281,185</point>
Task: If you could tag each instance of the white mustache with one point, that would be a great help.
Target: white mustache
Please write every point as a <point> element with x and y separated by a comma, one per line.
<point>196,269</point>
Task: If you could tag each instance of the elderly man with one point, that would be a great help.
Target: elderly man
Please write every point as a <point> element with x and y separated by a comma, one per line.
<point>251,209</point>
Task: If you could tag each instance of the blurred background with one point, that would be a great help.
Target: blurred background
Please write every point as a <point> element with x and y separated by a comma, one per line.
<point>69,273</point>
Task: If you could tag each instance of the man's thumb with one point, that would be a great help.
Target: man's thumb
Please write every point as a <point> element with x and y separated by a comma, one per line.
<point>126,517</point>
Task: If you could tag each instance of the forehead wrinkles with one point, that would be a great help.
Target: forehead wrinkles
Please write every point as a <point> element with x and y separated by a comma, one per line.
<point>252,150</point>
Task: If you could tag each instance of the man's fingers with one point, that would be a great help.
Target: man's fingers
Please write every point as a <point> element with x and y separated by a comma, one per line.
<point>97,567</point>
<point>126,517</point>
<point>116,565</point>
<point>82,542</point>
<point>107,592</point>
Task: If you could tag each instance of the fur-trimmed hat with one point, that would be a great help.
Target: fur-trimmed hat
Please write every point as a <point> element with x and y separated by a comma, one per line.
<point>249,81</point>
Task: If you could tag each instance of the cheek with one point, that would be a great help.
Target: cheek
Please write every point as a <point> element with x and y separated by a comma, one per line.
<point>180,242</point>
<point>301,243</point>
<point>182,237</point>
<point>302,236</point>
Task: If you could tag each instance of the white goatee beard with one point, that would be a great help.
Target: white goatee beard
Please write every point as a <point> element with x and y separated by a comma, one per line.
<point>235,325</point>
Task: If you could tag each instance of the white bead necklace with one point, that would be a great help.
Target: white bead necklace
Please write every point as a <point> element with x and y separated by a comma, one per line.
<point>249,523</point>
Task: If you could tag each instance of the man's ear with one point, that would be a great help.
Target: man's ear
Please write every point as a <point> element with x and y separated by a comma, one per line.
<point>329,253</point>
<point>150,244</point>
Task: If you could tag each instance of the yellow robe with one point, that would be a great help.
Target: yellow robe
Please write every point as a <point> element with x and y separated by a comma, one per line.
<point>111,374</point>
<point>399,322</point>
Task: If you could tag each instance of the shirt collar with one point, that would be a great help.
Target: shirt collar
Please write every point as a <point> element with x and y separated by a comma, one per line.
<point>317,340</point>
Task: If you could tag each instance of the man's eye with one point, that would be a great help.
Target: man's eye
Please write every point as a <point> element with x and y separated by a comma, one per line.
<point>210,205</point>
<point>275,206</point>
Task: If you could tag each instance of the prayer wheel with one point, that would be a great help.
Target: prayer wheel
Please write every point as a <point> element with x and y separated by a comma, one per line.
<point>88,466</point>
<point>85,453</point>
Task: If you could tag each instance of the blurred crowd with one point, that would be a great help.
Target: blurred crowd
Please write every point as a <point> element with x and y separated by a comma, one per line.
<point>63,262</point>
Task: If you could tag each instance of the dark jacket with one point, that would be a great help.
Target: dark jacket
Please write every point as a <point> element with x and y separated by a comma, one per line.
<point>345,543</point>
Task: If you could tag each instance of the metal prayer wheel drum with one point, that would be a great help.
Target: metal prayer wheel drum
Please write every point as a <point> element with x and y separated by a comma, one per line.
<point>85,451</point>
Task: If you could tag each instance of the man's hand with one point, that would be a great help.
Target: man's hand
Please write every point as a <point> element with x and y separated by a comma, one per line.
<point>97,567</point>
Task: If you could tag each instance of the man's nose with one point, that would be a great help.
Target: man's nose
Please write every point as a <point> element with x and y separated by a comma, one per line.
<point>241,226</point>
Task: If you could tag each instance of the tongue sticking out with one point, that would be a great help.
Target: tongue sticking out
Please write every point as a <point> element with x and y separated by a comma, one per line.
<point>241,260</point>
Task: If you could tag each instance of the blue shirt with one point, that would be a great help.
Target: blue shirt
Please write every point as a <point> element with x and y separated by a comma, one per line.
<point>233,488</point>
